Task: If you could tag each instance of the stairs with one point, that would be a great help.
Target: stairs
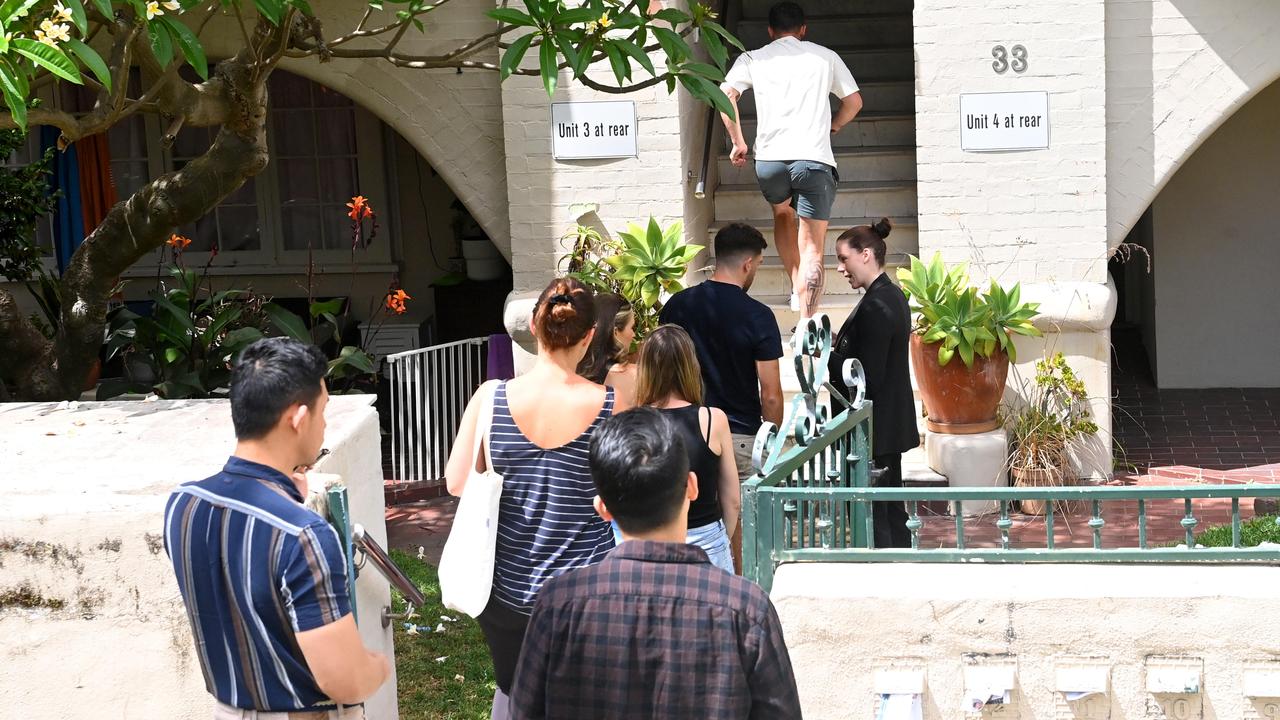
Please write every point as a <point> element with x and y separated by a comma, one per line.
<point>875,153</point>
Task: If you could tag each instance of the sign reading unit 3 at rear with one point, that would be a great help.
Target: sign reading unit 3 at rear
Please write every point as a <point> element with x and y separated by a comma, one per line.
<point>1004,121</point>
<point>588,130</point>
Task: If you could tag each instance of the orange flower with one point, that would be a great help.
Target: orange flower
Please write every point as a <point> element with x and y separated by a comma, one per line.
<point>359,208</point>
<point>177,242</point>
<point>395,301</point>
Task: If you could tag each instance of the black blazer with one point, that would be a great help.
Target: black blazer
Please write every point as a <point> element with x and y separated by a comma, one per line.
<point>878,333</point>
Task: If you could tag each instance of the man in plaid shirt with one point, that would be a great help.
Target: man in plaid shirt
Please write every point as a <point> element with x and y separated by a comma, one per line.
<point>655,630</point>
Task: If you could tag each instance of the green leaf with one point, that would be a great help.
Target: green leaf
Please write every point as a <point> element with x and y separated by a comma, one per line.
<point>710,72</point>
<point>672,44</point>
<point>12,8</point>
<point>328,306</point>
<point>16,100</point>
<point>635,52</point>
<point>161,43</point>
<point>78,18</point>
<point>716,49</point>
<point>287,323</point>
<point>547,60</point>
<point>577,15</point>
<point>945,354</point>
<point>104,7</point>
<point>571,53</point>
<point>91,60</point>
<point>224,318</point>
<point>272,10</point>
<point>707,91</point>
<point>49,58</point>
<point>673,16</point>
<point>621,68</point>
<point>718,29</point>
<point>511,16</point>
<point>511,59</point>
<point>192,50</point>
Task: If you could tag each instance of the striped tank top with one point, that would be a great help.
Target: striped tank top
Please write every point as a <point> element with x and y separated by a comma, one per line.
<point>546,521</point>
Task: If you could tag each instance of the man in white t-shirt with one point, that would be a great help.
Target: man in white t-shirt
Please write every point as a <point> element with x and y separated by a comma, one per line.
<point>794,163</point>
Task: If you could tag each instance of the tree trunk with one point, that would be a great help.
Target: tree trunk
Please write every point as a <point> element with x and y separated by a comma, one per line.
<point>35,368</point>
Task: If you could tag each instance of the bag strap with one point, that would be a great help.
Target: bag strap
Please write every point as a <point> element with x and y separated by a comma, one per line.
<point>484,420</point>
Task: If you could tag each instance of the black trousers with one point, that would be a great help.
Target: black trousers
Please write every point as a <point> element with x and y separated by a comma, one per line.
<point>890,517</point>
<point>503,630</point>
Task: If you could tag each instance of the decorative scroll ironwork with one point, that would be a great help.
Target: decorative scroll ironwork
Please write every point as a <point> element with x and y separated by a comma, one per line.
<point>808,415</point>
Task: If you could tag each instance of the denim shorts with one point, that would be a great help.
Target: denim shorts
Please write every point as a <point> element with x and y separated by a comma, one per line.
<point>713,539</point>
<point>715,542</point>
<point>809,185</point>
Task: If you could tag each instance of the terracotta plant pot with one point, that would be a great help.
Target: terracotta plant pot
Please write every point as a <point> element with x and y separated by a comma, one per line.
<point>95,373</point>
<point>1035,477</point>
<point>959,400</point>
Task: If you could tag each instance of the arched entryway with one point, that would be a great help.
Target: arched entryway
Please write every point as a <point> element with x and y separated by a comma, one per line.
<point>1194,365</point>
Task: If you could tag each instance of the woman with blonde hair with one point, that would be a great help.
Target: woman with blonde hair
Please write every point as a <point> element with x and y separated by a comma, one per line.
<point>539,440</point>
<point>670,380</point>
<point>607,358</point>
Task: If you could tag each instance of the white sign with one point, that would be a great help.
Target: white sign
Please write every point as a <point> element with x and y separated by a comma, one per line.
<point>582,130</point>
<point>1004,121</point>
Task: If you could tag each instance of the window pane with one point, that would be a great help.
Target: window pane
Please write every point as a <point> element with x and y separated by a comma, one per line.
<point>238,227</point>
<point>337,132</point>
<point>331,98</point>
<point>337,227</point>
<point>129,176</point>
<point>289,91</point>
<point>298,181</point>
<point>295,133</point>
<point>337,179</point>
<point>299,223</point>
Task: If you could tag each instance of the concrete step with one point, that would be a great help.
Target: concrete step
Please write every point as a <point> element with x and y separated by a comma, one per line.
<point>892,162</point>
<point>743,202</point>
<point>841,29</point>
<point>759,9</point>
<point>889,95</point>
<point>904,239</point>
<point>869,128</point>
<point>870,63</point>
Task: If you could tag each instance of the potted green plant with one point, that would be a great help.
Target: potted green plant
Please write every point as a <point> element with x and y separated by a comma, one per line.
<point>955,321</point>
<point>648,262</point>
<point>1052,413</point>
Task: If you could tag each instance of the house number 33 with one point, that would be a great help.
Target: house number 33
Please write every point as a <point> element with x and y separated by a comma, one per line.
<point>1014,57</point>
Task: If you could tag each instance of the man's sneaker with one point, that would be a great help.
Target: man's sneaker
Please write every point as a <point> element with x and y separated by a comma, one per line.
<point>795,302</point>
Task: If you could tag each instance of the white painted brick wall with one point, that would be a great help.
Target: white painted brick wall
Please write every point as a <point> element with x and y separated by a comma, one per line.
<point>1176,70</point>
<point>544,191</point>
<point>1033,216</point>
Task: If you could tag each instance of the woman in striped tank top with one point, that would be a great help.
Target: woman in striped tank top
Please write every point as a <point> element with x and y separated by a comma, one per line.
<point>539,438</point>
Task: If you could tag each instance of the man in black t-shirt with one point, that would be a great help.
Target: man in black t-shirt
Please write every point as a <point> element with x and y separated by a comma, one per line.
<point>737,341</point>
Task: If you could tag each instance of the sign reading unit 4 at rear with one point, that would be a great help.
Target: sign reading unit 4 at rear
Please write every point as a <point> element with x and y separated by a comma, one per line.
<point>1004,121</point>
<point>586,130</point>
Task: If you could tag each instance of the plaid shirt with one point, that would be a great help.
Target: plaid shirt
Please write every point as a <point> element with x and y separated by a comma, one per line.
<point>653,631</point>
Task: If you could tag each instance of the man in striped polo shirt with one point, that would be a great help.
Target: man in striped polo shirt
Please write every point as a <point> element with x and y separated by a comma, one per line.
<point>264,578</point>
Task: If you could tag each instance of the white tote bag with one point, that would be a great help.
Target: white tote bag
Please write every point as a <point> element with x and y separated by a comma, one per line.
<point>466,565</point>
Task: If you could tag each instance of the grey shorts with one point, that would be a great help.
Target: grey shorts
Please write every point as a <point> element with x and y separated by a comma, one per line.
<point>809,185</point>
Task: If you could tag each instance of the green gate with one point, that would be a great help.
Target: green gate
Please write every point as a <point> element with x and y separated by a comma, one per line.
<point>811,496</point>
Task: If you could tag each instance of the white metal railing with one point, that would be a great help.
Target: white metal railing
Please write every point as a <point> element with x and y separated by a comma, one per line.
<point>430,388</point>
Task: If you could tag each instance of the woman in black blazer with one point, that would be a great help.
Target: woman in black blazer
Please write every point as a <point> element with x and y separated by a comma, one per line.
<point>878,334</point>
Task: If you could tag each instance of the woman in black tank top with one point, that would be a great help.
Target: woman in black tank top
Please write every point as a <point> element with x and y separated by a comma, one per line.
<point>670,380</point>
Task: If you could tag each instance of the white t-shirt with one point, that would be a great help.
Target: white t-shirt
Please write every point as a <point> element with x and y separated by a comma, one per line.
<point>792,79</point>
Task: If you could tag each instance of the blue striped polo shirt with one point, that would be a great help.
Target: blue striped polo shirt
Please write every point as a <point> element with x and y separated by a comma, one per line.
<point>254,567</point>
<point>546,521</point>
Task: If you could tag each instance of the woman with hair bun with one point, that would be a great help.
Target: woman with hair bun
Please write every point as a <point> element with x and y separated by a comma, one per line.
<point>539,440</point>
<point>878,334</point>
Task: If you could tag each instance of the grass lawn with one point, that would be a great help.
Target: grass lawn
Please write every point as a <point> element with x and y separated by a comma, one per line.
<point>428,687</point>
<point>1258,530</point>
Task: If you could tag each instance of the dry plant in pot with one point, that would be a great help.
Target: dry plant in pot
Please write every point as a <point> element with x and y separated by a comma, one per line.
<point>1052,413</point>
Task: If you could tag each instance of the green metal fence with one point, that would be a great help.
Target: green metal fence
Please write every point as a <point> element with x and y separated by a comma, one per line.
<point>810,499</point>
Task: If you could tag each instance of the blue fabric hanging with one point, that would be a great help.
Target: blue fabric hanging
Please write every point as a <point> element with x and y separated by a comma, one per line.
<point>68,226</point>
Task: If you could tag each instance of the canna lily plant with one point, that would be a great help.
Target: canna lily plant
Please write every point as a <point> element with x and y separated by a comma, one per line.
<point>963,322</point>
